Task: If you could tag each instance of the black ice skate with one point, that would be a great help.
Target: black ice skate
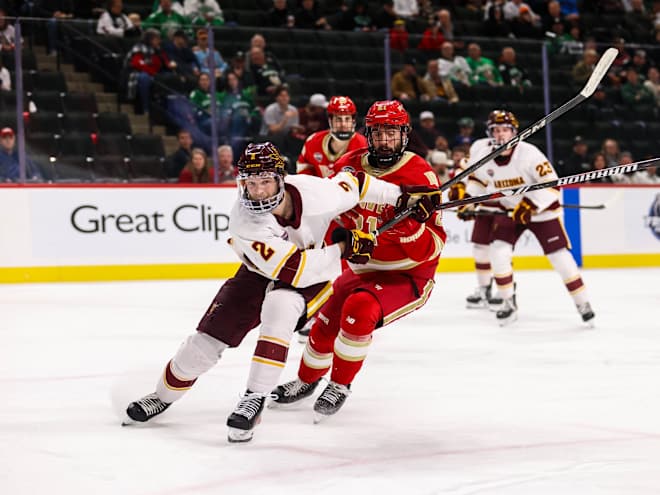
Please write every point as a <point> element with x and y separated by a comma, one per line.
<point>144,409</point>
<point>293,391</point>
<point>303,333</point>
<point>483,297</point>
<point>508,313</point>
<point>587,314</point>
<point>245,417</point>
<point>330,400</point>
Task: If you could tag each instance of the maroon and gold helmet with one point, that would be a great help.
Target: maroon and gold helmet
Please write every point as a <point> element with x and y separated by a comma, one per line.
<point>261,160</point>
<point>386,114</point>
<point>502,117</point>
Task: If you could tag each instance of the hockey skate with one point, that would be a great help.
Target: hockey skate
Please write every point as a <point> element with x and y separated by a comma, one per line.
<point>291,392</point>
<point>144,409</point>
<point>587,314</point>
<point>245,417</point>
<point>483,297</point>
<point>508,313</point>
<point>330,400</point>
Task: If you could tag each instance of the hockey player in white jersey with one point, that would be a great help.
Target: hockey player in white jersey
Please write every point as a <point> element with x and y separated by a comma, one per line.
<point>538,211</point>
<point>277,228</point>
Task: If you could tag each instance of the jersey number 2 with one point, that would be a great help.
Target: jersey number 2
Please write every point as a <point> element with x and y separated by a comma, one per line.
<point>265,251</point>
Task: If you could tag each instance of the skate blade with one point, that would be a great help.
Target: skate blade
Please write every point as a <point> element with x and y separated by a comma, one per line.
<point>590,324</point>
<point>128,421</point>
<point>475,306</point>
<point>507,321</point>
<point>319,418</point>
<point>271,404</point>
<point>494,307</point>
<point>234,435</point>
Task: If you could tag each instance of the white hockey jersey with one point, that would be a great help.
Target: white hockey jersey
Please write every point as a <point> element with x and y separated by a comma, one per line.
<point>294,252</point>
<point>526,165</point>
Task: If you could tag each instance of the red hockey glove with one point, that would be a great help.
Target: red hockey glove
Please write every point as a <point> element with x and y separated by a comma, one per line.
<point>358,245</point>
<point>456,192</point>
<point>523,211</point>
<point>423,200</point>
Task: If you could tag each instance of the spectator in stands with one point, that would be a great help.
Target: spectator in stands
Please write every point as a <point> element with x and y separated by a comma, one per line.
<point>203,12</point>
<point>583,69</point>
<point>197,170</point>
<point>144,61</point>
<point>577,162</point>
<point>441,144</point>
<point>353,16</point>
<point>266,76</point>
<point>385,17</point>
<point>523,26</point>
<point>9,163</point>
<point>308,16</point>
<point>560,41</point>
<point>496,25</point>
<point>200,97</point>
<point>453,66</point>
<point>186,63</point>
<point>513,75</point>
<point>441,164</point>
<point>432,39</point>
<point>406,9</point>
<point>166,20</point>
<point>449,30</point>
<point>177,6</point>
<point>281,120</point>
<point>278,15</point>
<point>648,176</point>
<point>458,153</point>
<point>113,22</point>
<point>203,52</point>
<point>399,36</point>
<point>639,62</point>
<point>175,162</point>
<point>259,41</point>
<point>598,162</point>
<point>54,10</point>
<point>611,152</point>
<point>426,129</point>
<point>312,117</point>
<point>7,33</point>
<point>570,11</point>
<point>513,8</point>
<point>635,94</point>
<point>5,77</point>
<point>639,23</point>
<point>482,69</point>
<point>239,117</point>
<point>443,88</point>
<point>408,85</point>
<point>226,170</point>
<point>552,15</point>
<point>652,83</point>
<point>465,135</point>
<point>625,158</point>
<point>237,66</point>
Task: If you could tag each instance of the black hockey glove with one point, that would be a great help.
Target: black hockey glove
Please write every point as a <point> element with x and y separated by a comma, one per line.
<point>423,200</point>
<point>358,245</point>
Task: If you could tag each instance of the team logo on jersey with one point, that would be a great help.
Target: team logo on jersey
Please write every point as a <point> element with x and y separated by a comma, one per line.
<point>348,169</point>
<point>652,221</point>
<point>490,172</point>
<point>318,156</point>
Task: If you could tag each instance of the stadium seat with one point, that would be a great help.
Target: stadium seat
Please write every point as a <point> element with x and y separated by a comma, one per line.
<point>113,123</point>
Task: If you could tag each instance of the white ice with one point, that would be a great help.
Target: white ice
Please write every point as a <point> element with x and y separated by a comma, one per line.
<point>447,402</point>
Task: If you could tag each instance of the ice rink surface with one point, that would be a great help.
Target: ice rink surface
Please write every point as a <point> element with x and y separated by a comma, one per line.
<point>447,402</point>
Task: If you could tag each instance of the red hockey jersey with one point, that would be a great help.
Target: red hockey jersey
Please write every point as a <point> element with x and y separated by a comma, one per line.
<point>316,158</point>
<point>408,246</point>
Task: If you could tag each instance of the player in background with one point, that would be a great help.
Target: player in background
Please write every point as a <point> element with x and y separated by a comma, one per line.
<point>323,148</point>
<point>537,211</point>
<point>483,296</point>
<point>397,280</point>
<point>277,228</point>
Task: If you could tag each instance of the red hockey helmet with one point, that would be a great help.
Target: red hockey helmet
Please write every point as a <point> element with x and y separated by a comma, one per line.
<point>261,160</point>
<point>383,115</point>
<point>340,127</point>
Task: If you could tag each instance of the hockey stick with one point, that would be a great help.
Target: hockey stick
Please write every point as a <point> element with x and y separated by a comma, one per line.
<point>483,213</point>
<point>597,75</point>
<point>564,181</point>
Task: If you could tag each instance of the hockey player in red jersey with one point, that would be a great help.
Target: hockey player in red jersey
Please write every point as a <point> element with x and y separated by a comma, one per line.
<point>396,281</point>
<point>322,149</point>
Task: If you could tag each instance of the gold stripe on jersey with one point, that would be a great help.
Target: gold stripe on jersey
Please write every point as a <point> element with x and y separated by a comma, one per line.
<point>301,268</point>
<point>274,340</point>
<point>170,387</point>
<point>325,146</point>
<point>568,239</point>
<point>473,178</point>
<point>282,261</point>
<point>376,172</point>
<point>319,300</point>
<point>365,186</point>
<point>268,362</point>
<point>412,306</point>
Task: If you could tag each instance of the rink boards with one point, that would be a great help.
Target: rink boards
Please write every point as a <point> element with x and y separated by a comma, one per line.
<point>140,232</point>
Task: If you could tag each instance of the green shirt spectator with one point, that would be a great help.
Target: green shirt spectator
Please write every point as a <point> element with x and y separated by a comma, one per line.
<point>483,69</point>
<point>166,20</point>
